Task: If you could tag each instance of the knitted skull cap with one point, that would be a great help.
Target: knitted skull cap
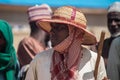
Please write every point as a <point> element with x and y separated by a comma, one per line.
<point>115,7</point>
<point>39,12</point>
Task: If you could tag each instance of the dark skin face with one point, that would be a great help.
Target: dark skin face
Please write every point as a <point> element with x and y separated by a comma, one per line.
<point>59,32</point>
<point>114,22</point>
<point>2,42</point>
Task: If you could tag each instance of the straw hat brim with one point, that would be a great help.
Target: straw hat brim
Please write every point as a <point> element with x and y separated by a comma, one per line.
<point>89,38</point>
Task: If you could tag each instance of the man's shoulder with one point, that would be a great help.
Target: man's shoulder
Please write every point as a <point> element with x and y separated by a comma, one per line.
<point>42,58</point>
<point>44,54</point>
<point>116,41</point>
<point>89,52</point>
<point>89,55</point>
<point>107,39</point>
<point>27,40</point>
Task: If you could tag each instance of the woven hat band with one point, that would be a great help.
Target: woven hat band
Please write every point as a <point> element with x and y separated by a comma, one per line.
<point>71,14</point>
<point>68,20</point>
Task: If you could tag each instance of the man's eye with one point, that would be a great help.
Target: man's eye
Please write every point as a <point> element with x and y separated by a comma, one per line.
<point>58,26</point>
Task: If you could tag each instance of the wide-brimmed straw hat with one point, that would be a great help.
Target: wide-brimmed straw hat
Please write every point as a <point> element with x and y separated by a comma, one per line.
<point>38,12</point>
<point>72,16</point>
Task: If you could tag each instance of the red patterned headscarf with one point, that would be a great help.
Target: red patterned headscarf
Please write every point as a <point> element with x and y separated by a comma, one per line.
<point>67,55</point>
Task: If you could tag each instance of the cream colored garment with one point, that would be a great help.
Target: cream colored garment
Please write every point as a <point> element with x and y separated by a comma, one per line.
<point>40,66</point>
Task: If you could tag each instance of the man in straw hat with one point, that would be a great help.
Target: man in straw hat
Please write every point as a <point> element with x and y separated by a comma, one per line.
<point>38,39</point>
<point>67,60</point>
<point>113,22</point>
<point>113,65</point>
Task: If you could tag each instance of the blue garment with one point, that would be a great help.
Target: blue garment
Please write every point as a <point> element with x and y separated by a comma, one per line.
<point>113,65</point>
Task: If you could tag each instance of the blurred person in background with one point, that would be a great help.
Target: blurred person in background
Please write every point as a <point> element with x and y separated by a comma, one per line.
<point>9,66</point>
<point>113,21</point>
<point>113,64</point>
<point>68,59</point>
<point>37,40</point>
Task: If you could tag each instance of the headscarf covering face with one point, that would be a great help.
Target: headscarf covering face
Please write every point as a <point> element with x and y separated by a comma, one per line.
<point>8,59</point>
<point>66,60</point>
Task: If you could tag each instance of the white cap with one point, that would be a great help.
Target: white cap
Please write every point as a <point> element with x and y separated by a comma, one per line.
<point>38,12</point>
<point>115,7</point>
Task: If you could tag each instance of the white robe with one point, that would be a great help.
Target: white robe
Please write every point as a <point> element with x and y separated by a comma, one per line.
<point>40,66</point>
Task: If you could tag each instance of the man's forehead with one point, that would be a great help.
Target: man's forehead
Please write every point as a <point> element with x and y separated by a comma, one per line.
<point>114,15</point>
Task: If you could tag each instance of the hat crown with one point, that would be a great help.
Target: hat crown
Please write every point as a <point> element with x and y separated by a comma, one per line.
<point>39,12</point>
<point>71,14</point>
<point>115,7</point>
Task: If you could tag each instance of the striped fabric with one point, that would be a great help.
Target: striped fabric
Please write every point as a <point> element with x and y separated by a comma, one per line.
<point>39,12</point>
<point>67,55</point>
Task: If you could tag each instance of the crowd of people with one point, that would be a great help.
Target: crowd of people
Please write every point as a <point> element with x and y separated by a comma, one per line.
<point>54,48</point>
